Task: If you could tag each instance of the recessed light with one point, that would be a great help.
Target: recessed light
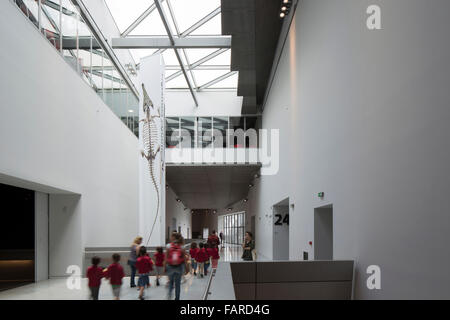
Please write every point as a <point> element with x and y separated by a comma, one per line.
<point>282,15</point>
<point>283,8</point>
<point>130,111</point>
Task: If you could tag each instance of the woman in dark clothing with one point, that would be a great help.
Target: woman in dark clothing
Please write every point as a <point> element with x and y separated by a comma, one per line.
<point>248,246</point>
<point>134,251</point>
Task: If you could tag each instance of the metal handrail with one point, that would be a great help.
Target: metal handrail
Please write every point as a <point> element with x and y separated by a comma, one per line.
<point>207,293</point>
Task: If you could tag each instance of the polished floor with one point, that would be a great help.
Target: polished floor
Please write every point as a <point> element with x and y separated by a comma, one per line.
<point>192,287</point>
<point>57,289</point>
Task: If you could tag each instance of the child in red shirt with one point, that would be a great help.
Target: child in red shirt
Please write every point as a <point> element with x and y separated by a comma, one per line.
<point>159,262</point>
<point>94,274</point>
<point>115,275</point>
<point>201,257</point>
<point>143,265</point>
<point>208,261</point>
<point>214,253</point>
<point>193,253</point>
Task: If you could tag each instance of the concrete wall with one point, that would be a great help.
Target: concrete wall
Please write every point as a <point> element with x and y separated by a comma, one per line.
<point>175,210</point>
<point>363,117</point>
<point>57,134</point>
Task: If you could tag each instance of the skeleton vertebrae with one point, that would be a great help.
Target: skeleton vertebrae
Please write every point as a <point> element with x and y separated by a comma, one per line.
<point>151,147</point>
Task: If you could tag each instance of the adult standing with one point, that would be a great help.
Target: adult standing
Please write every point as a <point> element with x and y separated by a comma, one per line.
<point>221,237</point>
<point>248,246</point>
<point>134,252</point>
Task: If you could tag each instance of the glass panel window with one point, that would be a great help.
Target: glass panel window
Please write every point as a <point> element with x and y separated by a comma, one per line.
<point>235,139</point>
<point>234,226</point>
<point>204,138</point>
<point>221,124</point>
<point>187,133</point>
<point>172,132</point>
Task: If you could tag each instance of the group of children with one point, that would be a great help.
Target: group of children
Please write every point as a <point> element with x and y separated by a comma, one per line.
<point>201,257</point>
<point>115,273</point>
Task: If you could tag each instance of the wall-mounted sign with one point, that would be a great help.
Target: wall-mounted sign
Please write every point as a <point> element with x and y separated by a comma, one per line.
<point>281,219</point>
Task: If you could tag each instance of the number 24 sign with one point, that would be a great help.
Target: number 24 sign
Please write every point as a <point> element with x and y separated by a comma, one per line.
<point>280,220</point>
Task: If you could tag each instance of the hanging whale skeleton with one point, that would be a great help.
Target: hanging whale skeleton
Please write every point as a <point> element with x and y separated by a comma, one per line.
<point>151,147</point>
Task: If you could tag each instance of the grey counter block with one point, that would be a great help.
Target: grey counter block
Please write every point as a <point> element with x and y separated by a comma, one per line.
<point>245,291</point>
<point>243,272</point>
<point>330,290</point>
<point>300,271</point>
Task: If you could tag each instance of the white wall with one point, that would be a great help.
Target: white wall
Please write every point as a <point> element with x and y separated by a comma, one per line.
<point>363,116</point>
<point>175,209</point>
<point>56,132</point>
<point>41,218</point>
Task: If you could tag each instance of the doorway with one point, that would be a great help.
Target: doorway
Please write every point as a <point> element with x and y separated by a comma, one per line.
<point>323,233</point>
<point>281,230</point>
<point>17,237</point>
<point>205,233</point>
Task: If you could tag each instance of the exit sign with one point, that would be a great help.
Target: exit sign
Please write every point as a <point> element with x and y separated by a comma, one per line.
<point>321,194</point>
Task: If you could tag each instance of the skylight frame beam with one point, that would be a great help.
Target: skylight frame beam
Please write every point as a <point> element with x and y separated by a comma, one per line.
<point>138,21</point>
<point>170,35</point>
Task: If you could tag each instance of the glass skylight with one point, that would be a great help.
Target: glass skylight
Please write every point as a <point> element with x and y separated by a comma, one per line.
<point>184,17</point>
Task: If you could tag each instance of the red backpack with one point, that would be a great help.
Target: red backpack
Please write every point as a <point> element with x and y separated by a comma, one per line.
<point>175,255</point>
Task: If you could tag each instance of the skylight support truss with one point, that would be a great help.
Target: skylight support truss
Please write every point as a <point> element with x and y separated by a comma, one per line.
<point>213,82</point>
<point>197,63</point>
<point>138,21</point>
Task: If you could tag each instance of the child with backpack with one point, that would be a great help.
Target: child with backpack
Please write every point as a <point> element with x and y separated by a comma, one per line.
<point>94,274</point>
<point>175,265</point>
<point>115,275</point>
<point>159,262</point>
<point>193,253</point>
<point>144,266</point>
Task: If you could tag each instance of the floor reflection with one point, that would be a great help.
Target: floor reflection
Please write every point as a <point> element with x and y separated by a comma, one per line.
<point>231,252</point>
